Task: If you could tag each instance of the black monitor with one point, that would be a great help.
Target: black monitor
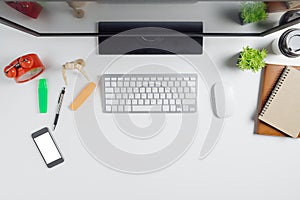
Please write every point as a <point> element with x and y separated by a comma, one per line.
<point>85,19</point>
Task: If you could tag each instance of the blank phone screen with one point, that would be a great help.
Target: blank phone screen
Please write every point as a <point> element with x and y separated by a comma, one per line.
<point>47,147</point>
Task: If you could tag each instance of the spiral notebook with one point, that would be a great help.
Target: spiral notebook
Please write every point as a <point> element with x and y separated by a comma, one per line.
<point>282,109</point>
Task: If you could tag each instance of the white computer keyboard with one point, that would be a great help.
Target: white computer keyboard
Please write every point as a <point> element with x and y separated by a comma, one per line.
<point>140,93</point>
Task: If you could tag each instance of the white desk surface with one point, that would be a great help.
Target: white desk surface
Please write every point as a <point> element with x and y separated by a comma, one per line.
<point>242,165</point>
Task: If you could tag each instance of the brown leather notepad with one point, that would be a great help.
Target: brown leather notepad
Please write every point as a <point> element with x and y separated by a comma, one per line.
<point>271,74</point>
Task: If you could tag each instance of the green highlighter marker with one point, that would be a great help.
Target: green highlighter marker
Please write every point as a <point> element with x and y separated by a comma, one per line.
<point>43,95</point>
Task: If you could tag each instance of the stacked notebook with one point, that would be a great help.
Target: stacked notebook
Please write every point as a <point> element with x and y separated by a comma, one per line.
<point>279,112</point>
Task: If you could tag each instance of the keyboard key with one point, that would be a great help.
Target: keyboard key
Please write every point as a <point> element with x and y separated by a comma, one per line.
<point>118,96</point>
<point>146,108</point>
<point>150,96</point>
<point>170,83</point>
<point>166,107</point>
<point>190,95</point>
<point>179,108</point>
<point>132,84</point>
<point>110,96</point>
<point>108,102</point>
<point>113,84</point>
<point>141,102</point>
<point>148,90</point>
<point>178,102</point>
<point>129,90</point>
<point>109,90</point>
<point>134,102</point>
<point>120,84</point>
<point>114,102</point>
<point>151,84</point>
<point>108,108</point>
<point>114,109</point>
<point>120,108</point>
<point>173,108</point>
<point>137,95</point>
<point>142,90</point>
<point>159,102</point>
<point>153,102</point>
<point>127,108</point>
<point>128,102</point>
<point>123,90</point>
<point>188,101</point>
<point>185,108</point>
<point>117,90</point>
<point>145,84</point>
<point>191,83</point>
<point>193,90</point>
<point>192,108</point>
<point>122,102</point>
<point>136,90</point>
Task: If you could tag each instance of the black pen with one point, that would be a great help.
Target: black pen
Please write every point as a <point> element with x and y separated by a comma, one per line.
<point>59,103</point>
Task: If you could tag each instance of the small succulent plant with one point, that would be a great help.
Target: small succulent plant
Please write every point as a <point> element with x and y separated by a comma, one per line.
<point>252,59</point>
<point>253,12</point>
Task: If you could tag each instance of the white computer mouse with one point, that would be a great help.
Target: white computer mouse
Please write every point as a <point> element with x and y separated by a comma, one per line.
<point>223,100</point>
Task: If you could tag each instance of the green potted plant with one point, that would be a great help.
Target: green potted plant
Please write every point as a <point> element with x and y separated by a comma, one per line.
<point>252,59</point>
<point>253,12</point>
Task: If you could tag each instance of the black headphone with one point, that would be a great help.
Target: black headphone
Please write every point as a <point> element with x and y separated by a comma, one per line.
<point>289,16</point>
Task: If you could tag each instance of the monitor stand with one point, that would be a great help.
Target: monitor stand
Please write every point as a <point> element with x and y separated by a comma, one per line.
<point>150,38</point>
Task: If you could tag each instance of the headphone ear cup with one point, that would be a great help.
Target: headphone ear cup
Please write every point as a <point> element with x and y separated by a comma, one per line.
<point>26,61</point>
<point>11,73</point>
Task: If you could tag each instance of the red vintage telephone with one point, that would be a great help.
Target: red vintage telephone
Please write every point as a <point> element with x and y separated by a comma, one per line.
<point>24,68</point>
<point>28,8</point>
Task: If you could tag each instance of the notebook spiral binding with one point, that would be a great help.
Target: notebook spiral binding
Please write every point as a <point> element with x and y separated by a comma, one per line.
<point>275,90</point>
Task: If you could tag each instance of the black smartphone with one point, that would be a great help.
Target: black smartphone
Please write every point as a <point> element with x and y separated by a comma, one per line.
<point>47,147</point>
